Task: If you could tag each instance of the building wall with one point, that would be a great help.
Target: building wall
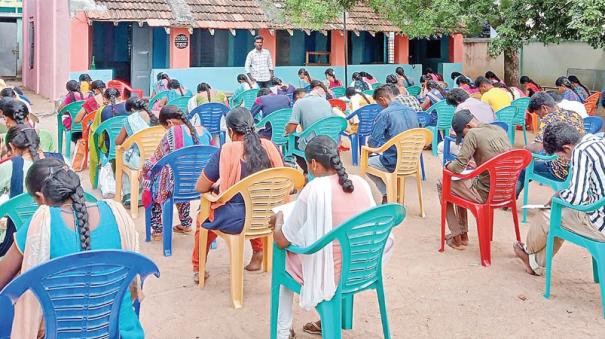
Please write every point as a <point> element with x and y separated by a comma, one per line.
<point>477,60</point>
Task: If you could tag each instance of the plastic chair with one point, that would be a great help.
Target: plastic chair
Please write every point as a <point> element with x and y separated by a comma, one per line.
<point>72,109</point>
<point>445,113</point>
<point>340,104</point>
<point>209,115</point>
<point>112,127</point>
<point>414,90</point>
<point>339,92</point>
<point>366,115</point>
<point>591,103</point>
<point>423,120</point>
<point>531,176</point>
<point>80,294</point>
<point>519,120</point>
<point>362,240</point>
<point>247,98</point>
<point>86,123</point>
<point>409,146</point>
<point>508,116</point>
<point>159,96</point>
<point>376,85</point>
<point>187,164</point>
<point>278,121</point>
<point>181,102</point>
<point>596,248</point>
<point>504,171</point>
<point>121,87</point>
<point>368,92</point>
<point>147,141</point>
<point>593,124</point>
<point>261,192</point>
<point>331,126</point>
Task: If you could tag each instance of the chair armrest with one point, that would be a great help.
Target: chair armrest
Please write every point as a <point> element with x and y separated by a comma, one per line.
<point>449,174</point>
<point>582,208</point>
<point>210,197</point>
<point>543,156</point>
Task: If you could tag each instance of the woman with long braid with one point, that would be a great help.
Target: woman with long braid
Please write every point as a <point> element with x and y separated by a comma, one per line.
<point>180,133</point>
<point>16,112</point>
<point>244,155</point>
<point>69,225</point>
<point>113,105</point>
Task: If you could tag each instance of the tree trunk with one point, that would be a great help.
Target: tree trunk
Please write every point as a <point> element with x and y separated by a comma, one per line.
<point>511,67</point>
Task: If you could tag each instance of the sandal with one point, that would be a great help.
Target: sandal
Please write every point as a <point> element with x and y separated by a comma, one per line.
<point>313,327</point>
<point>196,277</point>
<point>181,229</point>
<point>449,240</point>
<point>157,236</point>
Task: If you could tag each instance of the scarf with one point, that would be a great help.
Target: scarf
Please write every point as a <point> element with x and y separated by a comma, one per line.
<point>93,155</point>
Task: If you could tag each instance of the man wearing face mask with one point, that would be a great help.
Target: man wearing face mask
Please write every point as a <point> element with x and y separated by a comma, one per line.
<point>586,154</point>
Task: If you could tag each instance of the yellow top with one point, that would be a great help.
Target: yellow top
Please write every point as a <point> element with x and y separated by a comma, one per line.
<point>497,98</point>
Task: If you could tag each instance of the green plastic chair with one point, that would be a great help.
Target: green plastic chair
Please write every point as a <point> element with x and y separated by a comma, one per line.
<point>159,96</point>
<point>369,92</point>
<point>278,121</point>
<point>71,109</point>
<point>507,115</point>
<point>112,127</point>
<point>531,176</point>
<point>339,92</point>
<point>362,240</point>
<point>331,126</point>
<point>596,248</point>
<point>181,103</point>
<point>246,97</point>
<point>521,106</point>
<point>445,113</point>
<point>414,90</point>
<point>376,85</point>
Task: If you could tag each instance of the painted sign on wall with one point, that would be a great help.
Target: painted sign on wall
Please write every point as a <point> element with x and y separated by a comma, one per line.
<point>181,41</point>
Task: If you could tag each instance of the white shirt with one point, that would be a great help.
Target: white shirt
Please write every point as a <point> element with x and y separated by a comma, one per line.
<point>573,106</point>
<point>259,64</point>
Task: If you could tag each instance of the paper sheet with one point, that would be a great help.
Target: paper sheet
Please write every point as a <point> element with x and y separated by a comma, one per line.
<point>286,209</point>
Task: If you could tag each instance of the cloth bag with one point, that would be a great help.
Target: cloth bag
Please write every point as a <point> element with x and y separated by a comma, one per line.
<point>107,182</point>
<point>79,161</point>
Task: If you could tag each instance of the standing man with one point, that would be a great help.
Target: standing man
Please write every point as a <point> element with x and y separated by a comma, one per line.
<point>259,65</point>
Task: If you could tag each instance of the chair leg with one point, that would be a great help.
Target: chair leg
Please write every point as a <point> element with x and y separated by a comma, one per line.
<point>435,142</point>
<point>513,209</point>
<point>274,308</point>
<point>420,199</point>
<point>422,167</point>
<point>134,194</point>
<point>119,182</point>
<point>483,231</point>
<point>347,311</point>
<point>167,210</point>
<point>400,189</point>
<point>443,211</point>
<point>68,145</point>
<point>524,134</point>
<point>550,239</point>
<point>237,271</point>
<point>601,270</point>
<point>355,149</point>
<point>525,193</point>
<point>60,137</point>
<point>391,188</point>
<point>382,304</point>
<point>268,253</point>
<point>331,321</point>
<point>202,257</point>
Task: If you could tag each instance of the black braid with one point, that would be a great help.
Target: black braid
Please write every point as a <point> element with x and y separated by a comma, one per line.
<point>192,130</point>
<point>81,214</point>
<point>24,137</point>
<point>324,150</point>
<point>343,177</point>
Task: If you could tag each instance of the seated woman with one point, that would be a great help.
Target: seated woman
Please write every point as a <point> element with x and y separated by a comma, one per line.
<point>114,107</point>
<point>367,77</point>
<point>530,86</point>
<point>16,113</point>
<point>180,133</point>
<point>281,88</point>
<point>582,91</point>
<point>244,84</point>
<point>358,82</point>
<point>356,100</point>
<point>94,102</point>
<point>161,85</point>
<point>85,81</point>
<point>69,225</point>
<point>467,84</point>
<point>206,94</point>
<point>331,78</point>
<point>304,76</point>
<point>493,77</point>
<point>14,93</point>
<point>339,197</point>
<point>393,80</point>
<point>73,95</point>
<point>246,154</point>
<point>404,80</point>
<point>433,93</point>
<point>175,91</point>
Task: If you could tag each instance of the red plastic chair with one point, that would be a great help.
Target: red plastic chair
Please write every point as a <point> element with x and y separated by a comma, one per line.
<point>121,87</point>
<point>504,171</point>
<point>591,103</point>
<point>338,104</point>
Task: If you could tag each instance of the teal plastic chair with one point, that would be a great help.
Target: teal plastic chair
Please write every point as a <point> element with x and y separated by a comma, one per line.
<point>531,176</point>
<point>369,92</point>
<point>278,121</point>
<point>596,248</point>
<point>521,106</point>
<point>445,113</point>
<point>247,98</point>
<point>376,85</point>
<point>71,109</point>
<point>339,92</point>
<point>181,103</point>
<point>331,126</point>
<point>362,240</point>
<point>507,115</point>
<point>159,96</point>
<point>414,90</point>
<point>112,127</point>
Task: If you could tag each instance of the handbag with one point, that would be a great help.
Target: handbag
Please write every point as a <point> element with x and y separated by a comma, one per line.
<point>79,162</point>
<point>107,182</point>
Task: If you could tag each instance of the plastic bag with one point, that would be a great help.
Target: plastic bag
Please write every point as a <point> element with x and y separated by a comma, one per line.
<point>107,182</point>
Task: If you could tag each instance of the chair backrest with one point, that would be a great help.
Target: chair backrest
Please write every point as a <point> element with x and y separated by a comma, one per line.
<point>187,164</point>
<point>409,146</point>
<point>81,293</point>
<point>278,120</point>
<point>339,92</point>
<point>504,171</point>
<point>593,125</point>
<point>500,124</point>
<point>445,113</point>
<point>366,114</point>
<point>414,90</point>
<point>112,126</point>
<point>591,103</point>
<point>338,104</point>
<point>423,119</point>
<point>210,115</point>
<point>247,98</point>
<point>507,114</point>
<point>521,106</point>
<point>181,102</point>
<point>376,85</point>
<point>331,126</point>
<point>147,140</point>
<point>117,84</point>
<point>22,207</point>
<point>86,123</point>
<point>72,109</point>
<point>157,97</point>
<point>369,92</point>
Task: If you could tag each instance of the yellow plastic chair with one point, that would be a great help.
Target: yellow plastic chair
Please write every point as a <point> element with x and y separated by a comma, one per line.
<point>147,141</point>
<point>261,192</point>
<point>409,146</point>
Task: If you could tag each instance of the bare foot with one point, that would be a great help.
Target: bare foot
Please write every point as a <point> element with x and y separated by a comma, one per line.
<point>464,239</point>
<point>256,262</point>
<point>521,254</point>
<point>196,277</point>
<point>454,242</point>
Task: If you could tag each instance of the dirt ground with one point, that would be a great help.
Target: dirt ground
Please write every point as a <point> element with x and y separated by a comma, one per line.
<point>429,294</point>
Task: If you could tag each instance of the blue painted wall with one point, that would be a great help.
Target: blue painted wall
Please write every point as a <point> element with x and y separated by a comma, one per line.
<point>446,69</point>
<point>160,48</point>
<point>95,74</point>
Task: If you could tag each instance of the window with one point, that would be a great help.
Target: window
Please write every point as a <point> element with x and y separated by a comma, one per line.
<point>32,44</point>
<point>433,49</point>
<point>222,49</point>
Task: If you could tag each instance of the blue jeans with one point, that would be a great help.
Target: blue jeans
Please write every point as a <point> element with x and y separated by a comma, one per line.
<point>542,168</point>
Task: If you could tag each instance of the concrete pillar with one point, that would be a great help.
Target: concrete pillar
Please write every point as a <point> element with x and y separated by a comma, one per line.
<point>402,49</point>
<point>337,48</point>
<point>456,48</point>
<point>79,59</point>
<point>179,57</point>
<point>269,42</point>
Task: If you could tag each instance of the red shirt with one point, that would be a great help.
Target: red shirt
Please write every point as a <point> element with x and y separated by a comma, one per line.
<point>335,83</point>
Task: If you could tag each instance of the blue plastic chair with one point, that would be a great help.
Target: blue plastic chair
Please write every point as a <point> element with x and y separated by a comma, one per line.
<point>596,248</point>
<point>181,102</point>
<point>278,121</point>
<point>247,98</point>
<point>519,120</point>
<point>445,113</point>
<point>507,115</point>
<point>209,115</point>
<point>366,115</point>
<point>112,127</point>
<point>72,109</point>
<point>362,240</point>
<point>80,293</point>
<point>593,124</point>
<point>531,176</point>
<point>187,164</point>
<point>339,92</point>
<point>331,126</point>
<point>423,120</point>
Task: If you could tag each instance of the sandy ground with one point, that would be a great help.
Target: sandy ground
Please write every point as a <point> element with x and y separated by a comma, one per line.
<point>429,294</point>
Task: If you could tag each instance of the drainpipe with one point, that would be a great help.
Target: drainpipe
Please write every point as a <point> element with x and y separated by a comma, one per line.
<point>346,36</point>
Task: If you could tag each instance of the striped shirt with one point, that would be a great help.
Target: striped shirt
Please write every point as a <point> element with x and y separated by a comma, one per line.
<point>259,64</point>
<point>588,177</point>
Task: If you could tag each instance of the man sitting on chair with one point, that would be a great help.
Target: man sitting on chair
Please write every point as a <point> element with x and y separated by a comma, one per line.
<point>587,155</point>
<point>482,142</point>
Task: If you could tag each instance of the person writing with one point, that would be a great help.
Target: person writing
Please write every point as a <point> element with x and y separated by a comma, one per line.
<point>259,64</point>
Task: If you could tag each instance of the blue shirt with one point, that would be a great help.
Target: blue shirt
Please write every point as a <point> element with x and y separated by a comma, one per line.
<point>111,111</point>
<point>571,96</point>
<point>268,104</point>
<point>392,120</point>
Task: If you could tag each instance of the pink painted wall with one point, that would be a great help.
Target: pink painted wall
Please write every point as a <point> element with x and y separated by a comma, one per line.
<point>80,43</point>
<point>337,48</point>
<point>402,49</point>
<point>179,58</point>
<point>456,48</point>
<point>269,42</point>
